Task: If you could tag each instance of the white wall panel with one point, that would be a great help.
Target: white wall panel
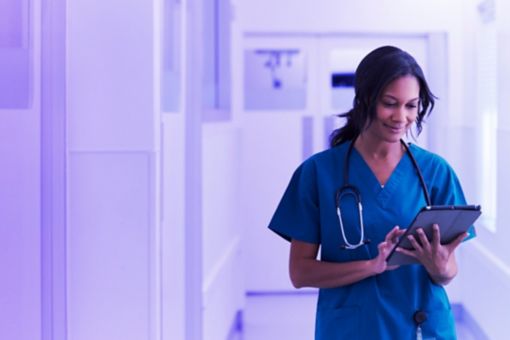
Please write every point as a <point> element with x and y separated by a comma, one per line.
<point>113,104</point>
<point>20,236</point>
<point>108,246</point>
<point>272,150</point>
<point>222,252</point>
<point>486,278</point>
<point>111,70</point>
<point>173,228</point>
<point>220,200</point>
<point>224,293</point>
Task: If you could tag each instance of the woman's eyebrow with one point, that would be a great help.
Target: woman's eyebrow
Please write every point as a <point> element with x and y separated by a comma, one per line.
<point>395,98</point>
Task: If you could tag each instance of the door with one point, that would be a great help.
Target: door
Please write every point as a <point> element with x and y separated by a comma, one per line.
<point>293,88</point>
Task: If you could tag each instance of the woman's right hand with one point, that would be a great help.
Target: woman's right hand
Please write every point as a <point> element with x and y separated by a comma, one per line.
<point>307,271</point>
<point>385,247</point>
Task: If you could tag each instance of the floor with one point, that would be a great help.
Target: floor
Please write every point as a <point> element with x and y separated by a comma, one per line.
<point>291,316</point>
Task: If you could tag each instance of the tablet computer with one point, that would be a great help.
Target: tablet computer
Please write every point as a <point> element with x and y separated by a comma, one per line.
<point>453,220</point>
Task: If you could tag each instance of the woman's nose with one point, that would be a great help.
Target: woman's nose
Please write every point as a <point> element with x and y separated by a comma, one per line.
<point>400,114</point>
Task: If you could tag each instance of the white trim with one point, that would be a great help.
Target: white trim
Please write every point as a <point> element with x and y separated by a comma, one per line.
<point>488,222</point>
<point>52,43</point>
<point>218,266</point>
<point>193,247</point>
<point>156,197</point>
<point>492,258</point>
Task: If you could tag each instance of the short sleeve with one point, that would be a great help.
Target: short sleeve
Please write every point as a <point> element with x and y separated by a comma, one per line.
<point>297,214</point>
<point>447,190</point>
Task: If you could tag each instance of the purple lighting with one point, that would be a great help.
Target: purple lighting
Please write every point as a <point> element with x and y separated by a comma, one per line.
<point>145,144</point>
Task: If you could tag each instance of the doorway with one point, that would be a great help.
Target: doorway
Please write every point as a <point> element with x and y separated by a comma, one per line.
<point>294,86</point>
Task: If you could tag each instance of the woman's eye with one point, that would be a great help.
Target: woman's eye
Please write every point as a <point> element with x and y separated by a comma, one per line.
<point>389,104</point>
<point>412,106</point>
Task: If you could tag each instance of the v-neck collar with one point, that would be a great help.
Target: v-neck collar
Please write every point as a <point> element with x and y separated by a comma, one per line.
<point>381,193</point>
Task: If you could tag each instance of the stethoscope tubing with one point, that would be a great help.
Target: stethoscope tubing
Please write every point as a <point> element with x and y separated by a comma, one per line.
<point>349,189</point>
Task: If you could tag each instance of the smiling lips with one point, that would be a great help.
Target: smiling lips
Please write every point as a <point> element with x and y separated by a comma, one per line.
<point>395,129</point>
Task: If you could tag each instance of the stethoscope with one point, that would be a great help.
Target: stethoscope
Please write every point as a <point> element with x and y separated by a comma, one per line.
<point>348,189</point>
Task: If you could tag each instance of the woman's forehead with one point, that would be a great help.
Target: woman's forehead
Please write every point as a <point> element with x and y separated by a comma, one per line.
<point>403,88</point>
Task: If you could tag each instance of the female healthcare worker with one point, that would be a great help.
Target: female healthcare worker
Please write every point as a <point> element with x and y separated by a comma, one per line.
<point>360,296</point>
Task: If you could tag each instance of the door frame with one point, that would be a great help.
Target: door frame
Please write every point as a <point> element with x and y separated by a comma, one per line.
<point>53,168</point>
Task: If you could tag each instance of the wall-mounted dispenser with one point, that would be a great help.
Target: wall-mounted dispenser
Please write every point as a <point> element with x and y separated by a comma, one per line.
<point>275,79</point>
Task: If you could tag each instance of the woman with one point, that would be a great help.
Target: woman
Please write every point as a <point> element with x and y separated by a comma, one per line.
<point>360,296</point>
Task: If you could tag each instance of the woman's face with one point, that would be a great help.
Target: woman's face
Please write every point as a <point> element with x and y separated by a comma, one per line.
<point>396,110</point>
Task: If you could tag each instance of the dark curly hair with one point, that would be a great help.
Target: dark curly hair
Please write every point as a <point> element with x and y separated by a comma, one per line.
<point>379,68</point>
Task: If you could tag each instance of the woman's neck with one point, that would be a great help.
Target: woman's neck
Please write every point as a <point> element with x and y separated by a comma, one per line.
<point>375,149</point>
<point>381,157</point>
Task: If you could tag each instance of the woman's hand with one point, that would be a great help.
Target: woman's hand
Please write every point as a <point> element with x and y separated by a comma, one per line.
<point>438,259</point>
<point>385,247</point>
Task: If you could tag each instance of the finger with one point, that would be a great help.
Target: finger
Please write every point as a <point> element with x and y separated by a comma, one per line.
<point>381,246</point>
<point>436,237</point>
<point>390,237</point>
<point>397,236</point>
<point>407,252</point>
<point>382,249</point>
<point>424,241</point>
<point>392,234</point>
<point>401,232</point>
<point>392,267</point>
<point>414,243</point>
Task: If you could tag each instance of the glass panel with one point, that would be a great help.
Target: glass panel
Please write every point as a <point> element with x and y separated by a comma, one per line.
<point>217,79</point>
<point>15,55</point>
<point>224,38</point>
<point>342,91</point>
<point>342,66</point>
<point>170,77</point>
<point>12,24</point>
<point>210,56</point>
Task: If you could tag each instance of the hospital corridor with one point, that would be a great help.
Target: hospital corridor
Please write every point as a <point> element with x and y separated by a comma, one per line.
<point>254,169</point>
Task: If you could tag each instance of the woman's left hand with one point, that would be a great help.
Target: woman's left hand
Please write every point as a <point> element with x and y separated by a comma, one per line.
<point>438,259</point>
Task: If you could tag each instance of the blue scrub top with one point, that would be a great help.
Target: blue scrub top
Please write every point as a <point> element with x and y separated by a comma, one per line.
<point>381,306</point>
